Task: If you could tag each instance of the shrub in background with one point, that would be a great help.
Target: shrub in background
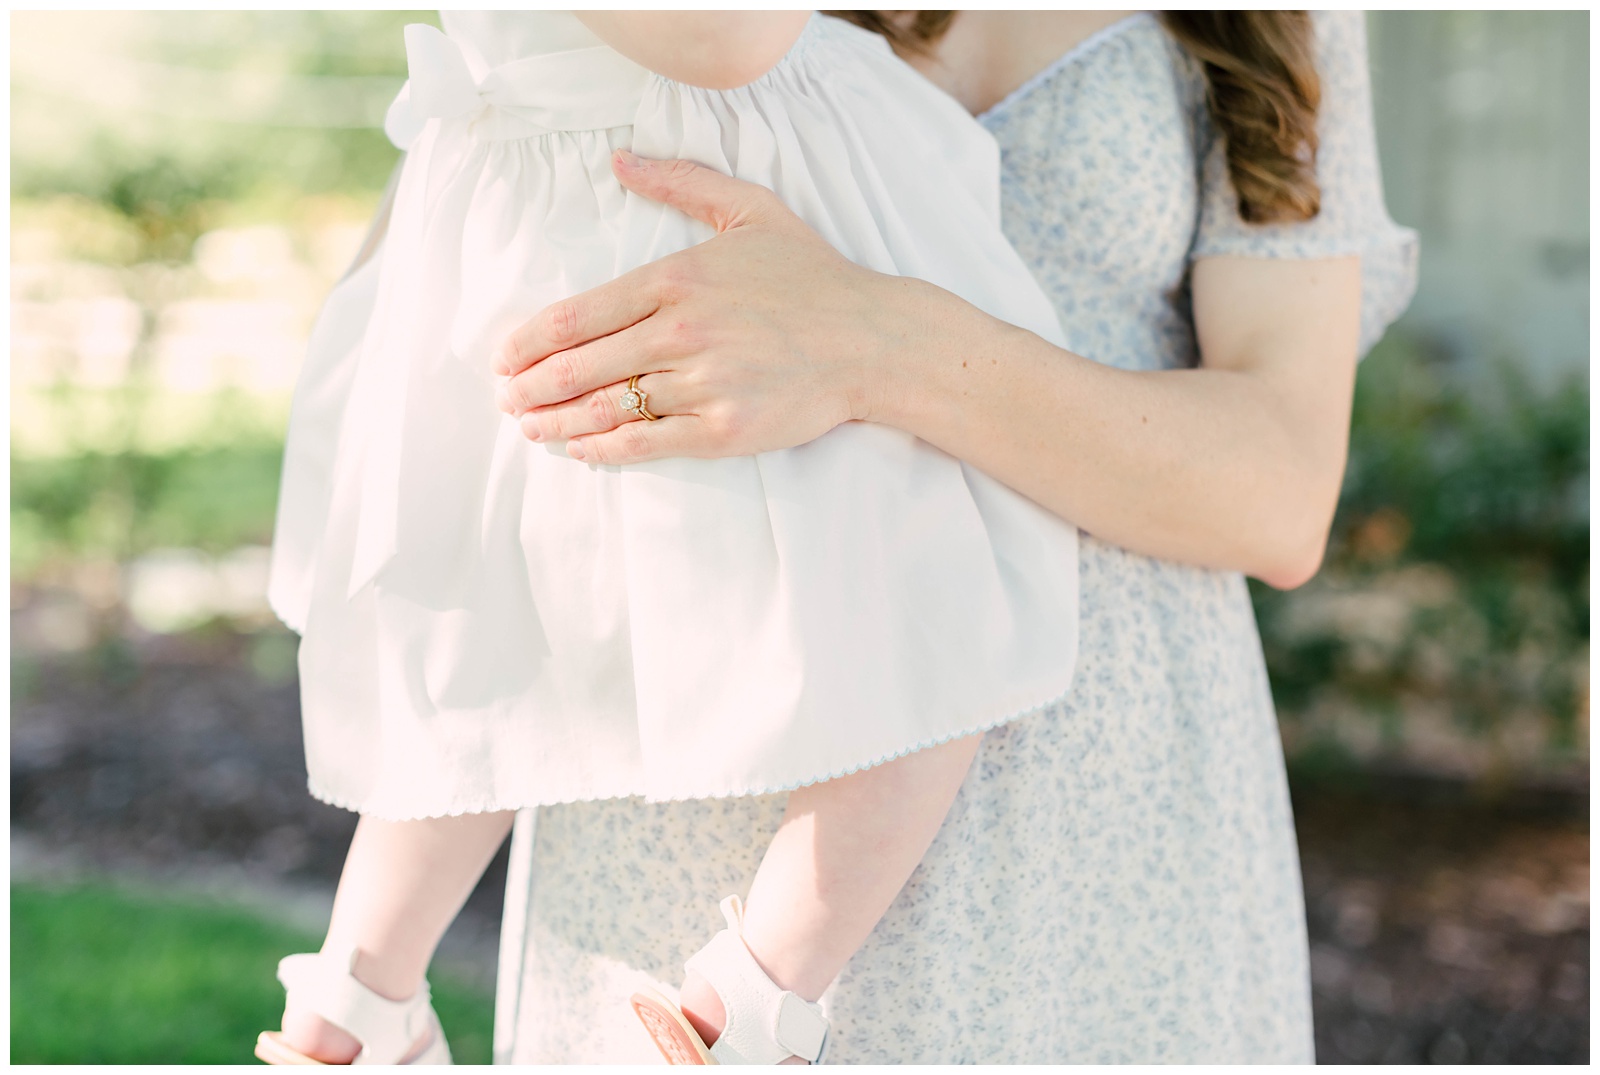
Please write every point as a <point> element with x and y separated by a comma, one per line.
<point>1449,627</point>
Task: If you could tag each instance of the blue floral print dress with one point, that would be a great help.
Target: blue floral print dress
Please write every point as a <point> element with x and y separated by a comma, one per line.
<point>1118,880</point>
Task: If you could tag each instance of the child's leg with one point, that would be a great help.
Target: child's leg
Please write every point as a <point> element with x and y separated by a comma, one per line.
<point>844,850</point>
<point>403,884</point>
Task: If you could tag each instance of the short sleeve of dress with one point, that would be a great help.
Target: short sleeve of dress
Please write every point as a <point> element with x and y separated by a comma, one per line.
<point>1353,218</point>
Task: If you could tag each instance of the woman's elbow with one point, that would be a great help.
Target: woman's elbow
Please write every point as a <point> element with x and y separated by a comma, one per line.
<point>1297,538</point>
<point>1293,564</point>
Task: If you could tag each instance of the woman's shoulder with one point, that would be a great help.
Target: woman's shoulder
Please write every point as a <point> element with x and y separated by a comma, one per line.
<point>1127,58</point>
<point>1351,217</point>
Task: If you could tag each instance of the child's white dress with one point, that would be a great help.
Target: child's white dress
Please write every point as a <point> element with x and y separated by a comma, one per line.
<point>489,624</point>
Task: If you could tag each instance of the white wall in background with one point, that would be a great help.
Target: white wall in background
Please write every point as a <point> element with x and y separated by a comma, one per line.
<point>1483,133</point>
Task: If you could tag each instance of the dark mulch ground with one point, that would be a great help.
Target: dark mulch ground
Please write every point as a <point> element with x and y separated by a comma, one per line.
<point>1447,931</point>
<point>1443,928</point>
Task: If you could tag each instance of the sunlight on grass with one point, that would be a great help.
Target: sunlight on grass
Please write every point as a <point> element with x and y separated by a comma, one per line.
<point>108,976</point>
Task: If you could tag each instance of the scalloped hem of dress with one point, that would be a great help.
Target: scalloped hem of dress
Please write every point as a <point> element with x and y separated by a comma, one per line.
<point>495,806</point>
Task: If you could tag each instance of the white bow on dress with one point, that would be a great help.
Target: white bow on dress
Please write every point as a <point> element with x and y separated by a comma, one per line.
<point>581,89</point>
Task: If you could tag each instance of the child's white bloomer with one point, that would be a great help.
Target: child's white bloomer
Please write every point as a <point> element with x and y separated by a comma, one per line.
<point>490,624</point>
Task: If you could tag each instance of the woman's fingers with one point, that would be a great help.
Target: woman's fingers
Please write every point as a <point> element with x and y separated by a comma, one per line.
<point>796,306</point>
<point>572,324</point>
<point>639,442</point>
<point>703,193</point>
<point>577,371</point>
<point>595,313</point>
<point>601,410</point>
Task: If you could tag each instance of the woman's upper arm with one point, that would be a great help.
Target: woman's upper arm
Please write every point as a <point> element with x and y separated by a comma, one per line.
<point>1295,305</point>
<point>1353,219</point>
<point>715,49</point>
<point>1293,326</point>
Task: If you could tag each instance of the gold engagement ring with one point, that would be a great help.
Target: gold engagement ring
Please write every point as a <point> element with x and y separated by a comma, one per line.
<point>633,400</point>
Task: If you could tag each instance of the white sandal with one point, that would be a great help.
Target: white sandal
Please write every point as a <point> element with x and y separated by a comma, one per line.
<point>763,1023</point>
<point>323,984</point>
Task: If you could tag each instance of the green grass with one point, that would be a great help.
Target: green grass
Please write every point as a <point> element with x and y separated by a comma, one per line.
<point>107,976</point>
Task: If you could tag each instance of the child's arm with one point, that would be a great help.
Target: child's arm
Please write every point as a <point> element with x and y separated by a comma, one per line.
<point>718,50</point>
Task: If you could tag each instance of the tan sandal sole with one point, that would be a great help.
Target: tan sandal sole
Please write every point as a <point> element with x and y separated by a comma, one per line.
<point>674,1036</point>
<point>274,1050</point>
<point>271,1047</point>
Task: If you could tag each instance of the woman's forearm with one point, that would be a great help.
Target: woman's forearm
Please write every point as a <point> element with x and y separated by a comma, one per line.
<point>767,338</point>
<point>1221,477</point>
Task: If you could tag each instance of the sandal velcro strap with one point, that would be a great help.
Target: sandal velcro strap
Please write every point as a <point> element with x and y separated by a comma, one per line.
<point>323,983</point>
<point>764,1023</point>
<point>801,1027</point>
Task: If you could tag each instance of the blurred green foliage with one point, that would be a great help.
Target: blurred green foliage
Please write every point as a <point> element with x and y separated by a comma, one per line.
<point>115,505</point>
<point>112,976</point>
<point>1464,520</point>
<point>170,173</point>
<point>1487,475</point>
<point>121,486</point>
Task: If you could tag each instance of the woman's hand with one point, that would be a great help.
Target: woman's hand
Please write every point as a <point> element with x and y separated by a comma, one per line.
<point>763,337</point>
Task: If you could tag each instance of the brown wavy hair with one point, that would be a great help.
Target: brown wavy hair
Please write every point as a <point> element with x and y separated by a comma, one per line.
<point>1261,86</point>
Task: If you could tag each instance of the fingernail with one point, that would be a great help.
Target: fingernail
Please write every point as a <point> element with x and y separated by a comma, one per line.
<point>530,427</point>
<point>502,399</point>
<point>627,159</point>
<point>499,363</point>
<point>575,449</point>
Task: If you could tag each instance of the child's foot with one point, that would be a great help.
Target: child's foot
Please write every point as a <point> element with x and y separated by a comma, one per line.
<point>328,1043</point>
<point>703,1008</point>
<point>319,1039</point>
<point>322,1041</point>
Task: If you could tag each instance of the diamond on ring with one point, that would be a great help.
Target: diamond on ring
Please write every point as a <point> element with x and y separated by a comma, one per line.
<point>633,400</point>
